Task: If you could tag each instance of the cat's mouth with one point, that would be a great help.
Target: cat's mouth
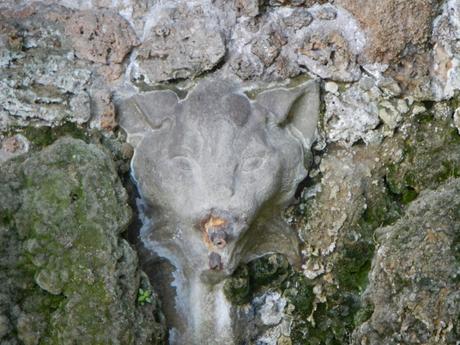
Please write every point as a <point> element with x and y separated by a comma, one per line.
<point>220,231</point>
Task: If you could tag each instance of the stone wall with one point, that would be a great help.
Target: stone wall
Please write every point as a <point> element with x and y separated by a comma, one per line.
<point>378,215</point>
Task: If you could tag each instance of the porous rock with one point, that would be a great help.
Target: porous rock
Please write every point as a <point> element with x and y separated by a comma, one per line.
<point>414,298</point>
<point>352,115</point>
<point>102,36</point>
<point>392,25</point>
<point>282,43</point>
<point>183,42</point>
<point>445,71</point>
<point>67,276</point>
<point>40,81</point>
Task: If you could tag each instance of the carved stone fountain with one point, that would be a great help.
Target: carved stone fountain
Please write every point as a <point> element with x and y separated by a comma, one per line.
<point>215,171</point>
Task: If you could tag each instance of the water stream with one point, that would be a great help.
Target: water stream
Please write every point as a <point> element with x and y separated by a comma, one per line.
<point>198,312</point>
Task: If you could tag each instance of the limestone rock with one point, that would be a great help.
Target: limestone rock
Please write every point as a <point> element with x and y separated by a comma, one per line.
<point>103,36</point>
<point>352,115</point>
<point>330,45</point>
<point>67,276</point>
<point>445,66</point>
<point>40,81</point>
<point>286,2</point>
<point>282,43</point>
<point>183,42</point>
<point>414,298</point>
<point>104,116</point>
<point>328,55</point>
<point>13,146</point>
<point>248,7</point>
<point>392,25</point>
<point>133,11</point>
<point>398,34</point>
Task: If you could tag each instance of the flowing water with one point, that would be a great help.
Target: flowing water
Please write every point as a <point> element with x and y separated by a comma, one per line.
<point>196,312</point>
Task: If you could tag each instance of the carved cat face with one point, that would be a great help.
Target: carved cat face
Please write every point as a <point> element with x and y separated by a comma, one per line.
<point>216,160</point>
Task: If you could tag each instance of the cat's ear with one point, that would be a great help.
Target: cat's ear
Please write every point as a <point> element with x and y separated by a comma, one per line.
<point>296,108</point>
<point>147,112</point>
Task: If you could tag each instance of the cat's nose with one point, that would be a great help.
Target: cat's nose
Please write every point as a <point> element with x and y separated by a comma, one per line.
<point>217,231</point>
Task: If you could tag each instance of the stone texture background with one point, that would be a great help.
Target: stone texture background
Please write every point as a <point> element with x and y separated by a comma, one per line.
<point>378,214</point>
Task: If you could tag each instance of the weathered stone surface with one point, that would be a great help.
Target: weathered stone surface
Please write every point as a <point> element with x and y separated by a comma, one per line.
<point>282,43</point>
<point>103,36</point>
<point>245,157</point>
<point>430,155</point>
<point>248,7</point>
<point>134,11</point>
<point>13,146</point>
<point>328,55</point>
<point>183,42</point>
<point>389,129</point>
<point>352,114</point>
<point>445,70</point>
<point>414,288</point>
<point>67,276</point>
<point>40,81</point>
<point>368,188</point>
<point>104,110</point>
<point>392,25</point>
<point>339,240</point>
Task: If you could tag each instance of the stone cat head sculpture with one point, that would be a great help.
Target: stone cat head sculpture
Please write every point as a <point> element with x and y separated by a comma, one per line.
<point>217,168</point>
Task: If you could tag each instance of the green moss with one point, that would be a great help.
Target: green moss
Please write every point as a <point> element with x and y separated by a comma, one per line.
<point>299,292</point>
<point>343,310</point>
<point>363,314</point>
<point>237,287</point>
<point>431,156</point>
<point>64,237</point>
<point>6,218</point>
<point>382,209</point>
<point>454,102</point>
<point>353,266</point>
<point>45,135</point>
<point>409,195</point>
<point>270,269</point>
<point>266,272</point>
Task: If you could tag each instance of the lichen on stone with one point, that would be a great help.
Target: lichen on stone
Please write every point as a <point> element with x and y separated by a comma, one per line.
<point>69,277</point>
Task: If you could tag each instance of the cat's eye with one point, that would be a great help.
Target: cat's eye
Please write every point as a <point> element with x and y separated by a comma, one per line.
<point>182,163</point>
<point>251,164</point>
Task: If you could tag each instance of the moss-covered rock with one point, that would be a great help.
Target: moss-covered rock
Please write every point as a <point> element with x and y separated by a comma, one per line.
<point>266,272</point>
<point>41,136</point>
<point>355,192</point>
<point>431,149</point>
<point>237,288</point>
<point>67,276</point>
<point>414,288</point>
